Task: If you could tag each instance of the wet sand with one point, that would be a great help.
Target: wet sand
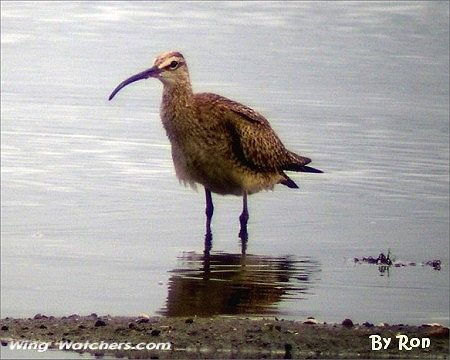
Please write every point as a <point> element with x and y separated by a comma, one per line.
<point>226,337</point>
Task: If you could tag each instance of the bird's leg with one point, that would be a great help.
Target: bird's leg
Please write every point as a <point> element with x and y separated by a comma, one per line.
<point>243,219</point>
<point>209,213</point>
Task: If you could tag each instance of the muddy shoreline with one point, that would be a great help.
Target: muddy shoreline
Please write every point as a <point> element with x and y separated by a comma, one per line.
<point>224,337</point>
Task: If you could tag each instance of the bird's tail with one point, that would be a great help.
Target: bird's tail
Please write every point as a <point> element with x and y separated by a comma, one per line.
<point>299,164</point>
<point>309,169</point>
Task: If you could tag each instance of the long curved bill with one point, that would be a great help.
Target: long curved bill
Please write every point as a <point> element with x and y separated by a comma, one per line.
<point>153,71</point>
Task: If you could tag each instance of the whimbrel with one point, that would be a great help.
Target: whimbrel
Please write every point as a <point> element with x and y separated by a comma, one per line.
<point>219,143</point>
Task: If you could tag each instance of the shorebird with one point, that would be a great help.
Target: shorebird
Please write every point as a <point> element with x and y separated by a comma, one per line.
<point>219,143</point>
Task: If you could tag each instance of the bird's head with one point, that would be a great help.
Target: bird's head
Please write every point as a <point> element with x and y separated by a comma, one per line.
<point>169,67</point>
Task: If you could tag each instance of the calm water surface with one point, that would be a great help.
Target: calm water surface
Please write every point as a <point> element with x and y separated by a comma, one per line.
<point>94,219</point>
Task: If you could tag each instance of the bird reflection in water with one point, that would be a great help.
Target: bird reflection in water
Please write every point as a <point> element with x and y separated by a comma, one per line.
<point>221,283</point>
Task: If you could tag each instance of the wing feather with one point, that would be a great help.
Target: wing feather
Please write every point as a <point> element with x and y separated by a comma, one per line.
<point>253,141</point>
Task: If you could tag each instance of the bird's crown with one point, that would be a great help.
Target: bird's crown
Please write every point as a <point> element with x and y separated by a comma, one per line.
<point>169,60</point>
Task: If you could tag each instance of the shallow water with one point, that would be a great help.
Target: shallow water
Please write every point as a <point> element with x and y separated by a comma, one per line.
<point>93,217</point>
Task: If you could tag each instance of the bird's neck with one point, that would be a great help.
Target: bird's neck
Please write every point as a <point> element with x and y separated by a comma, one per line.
<point>177,108</point>
<point>177,95</point>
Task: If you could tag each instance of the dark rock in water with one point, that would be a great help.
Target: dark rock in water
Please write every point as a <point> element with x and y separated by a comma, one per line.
<point>347,323</point>
<point>436,264</point>
<point>385,261</point>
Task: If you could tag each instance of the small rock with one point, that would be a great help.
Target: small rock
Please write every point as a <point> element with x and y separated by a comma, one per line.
<point>93,315</point>
<point>431,325</point>
<point>5,328</point>
<point>100,322</point>
<point>4,342</point>
<point>439,331</point>
<point>189,321</point>
<point>40,317</point>
<point>42,326</point>
<point>310,321</point>
<point>99,354</point>
<point>347,323</point>
<point>155,332</point>
<point>436,330</point>
<point>143,320</point>
<point>132,325</point>
<point>287,351</point>
<point>368,324</point>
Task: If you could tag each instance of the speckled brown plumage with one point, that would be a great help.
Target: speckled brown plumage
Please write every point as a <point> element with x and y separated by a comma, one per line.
<point>221,144</point>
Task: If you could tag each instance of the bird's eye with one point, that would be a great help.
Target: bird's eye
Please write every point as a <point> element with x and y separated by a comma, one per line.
<point>173,65</point>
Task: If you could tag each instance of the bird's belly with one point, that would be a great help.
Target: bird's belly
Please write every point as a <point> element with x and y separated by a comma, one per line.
<point>219,173</point>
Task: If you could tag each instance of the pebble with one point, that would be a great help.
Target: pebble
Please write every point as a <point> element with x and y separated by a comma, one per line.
<point>40,317</point>
<point>100,322</point>
<point>143,320</point>
<point>347,323</point>
<point>287,351</point>
<point>5,328</point>
<point>155,332</point>
<point>310,321</point>
<point>437,330</point>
